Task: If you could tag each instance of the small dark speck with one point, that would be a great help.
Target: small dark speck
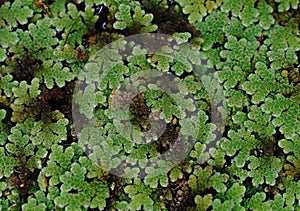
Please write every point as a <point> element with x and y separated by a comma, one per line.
<point>101,10</point>
<point>85,43</point>
<point>104,25</point>
<point>81,6</point>
<point>171,3</point>
<point>98,9</point>
<point>10,54</point>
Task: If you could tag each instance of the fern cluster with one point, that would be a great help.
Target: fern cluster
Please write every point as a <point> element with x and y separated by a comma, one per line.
<point>227,121</point>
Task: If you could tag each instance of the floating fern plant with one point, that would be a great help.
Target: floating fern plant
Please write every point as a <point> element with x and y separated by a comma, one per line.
<point>242,63</point>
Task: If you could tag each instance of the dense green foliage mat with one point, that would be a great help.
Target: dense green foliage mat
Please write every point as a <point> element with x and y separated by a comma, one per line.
<point>251,50</point>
